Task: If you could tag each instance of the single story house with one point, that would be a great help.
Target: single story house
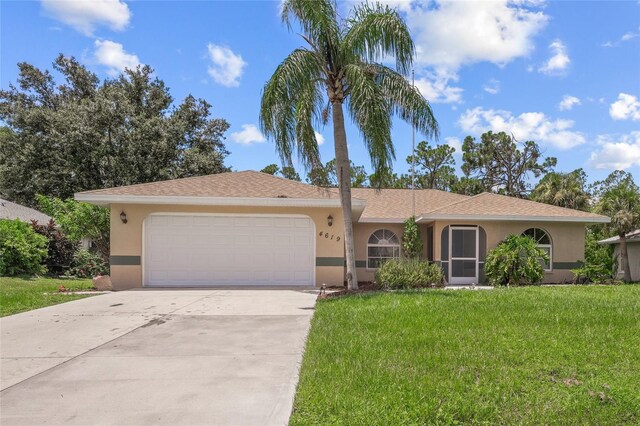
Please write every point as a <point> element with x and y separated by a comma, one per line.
<point>251,228</point>
<point>633,252</point>
<point>12,211</point>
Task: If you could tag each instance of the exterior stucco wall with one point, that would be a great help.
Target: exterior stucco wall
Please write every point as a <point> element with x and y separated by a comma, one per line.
<point>567,240</point>
<point>633,252</point>
<point>127,251</point>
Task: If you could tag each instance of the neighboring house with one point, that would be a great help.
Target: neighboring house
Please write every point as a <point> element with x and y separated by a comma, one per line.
<point>12,211</point>
<point>633,252</point>
<point>251,228</point>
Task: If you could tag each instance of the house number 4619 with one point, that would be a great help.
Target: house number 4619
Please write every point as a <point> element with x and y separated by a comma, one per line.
<point>329,236</point>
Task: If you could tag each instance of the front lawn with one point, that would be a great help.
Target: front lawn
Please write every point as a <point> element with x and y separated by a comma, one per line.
<point>537,355</point>
<point>25,294</point>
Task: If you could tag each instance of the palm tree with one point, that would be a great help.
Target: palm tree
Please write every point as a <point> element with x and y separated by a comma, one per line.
<point>622,204</point>
<point>563,189</point>
<point>340,65</point>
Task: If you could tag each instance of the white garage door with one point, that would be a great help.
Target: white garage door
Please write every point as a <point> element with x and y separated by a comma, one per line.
<point>201,250</point>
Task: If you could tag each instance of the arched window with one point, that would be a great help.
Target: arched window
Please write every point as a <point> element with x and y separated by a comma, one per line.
<point>542,238</point>
<point>382,246</point>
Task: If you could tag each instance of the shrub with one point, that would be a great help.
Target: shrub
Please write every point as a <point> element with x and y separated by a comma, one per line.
<point>79,220</point>
<point>22,251</point>
<point>60,250</point>
<point>515,261</point>
<point>87,265</point>
<point>411,242</point>
<point>599,263</point>
<point>409,273</point>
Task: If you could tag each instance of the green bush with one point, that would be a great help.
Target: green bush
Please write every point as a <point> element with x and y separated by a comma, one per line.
<point>409,273</point>
<point>515,261</point>
<point>411,241</point>
<point>87,265</point>
<point>599,263</point>
<point>60,250</point>
<point>22,251</point>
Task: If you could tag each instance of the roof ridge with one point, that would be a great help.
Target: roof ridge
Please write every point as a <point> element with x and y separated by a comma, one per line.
<point>296,182</point>
<point>469,198</point>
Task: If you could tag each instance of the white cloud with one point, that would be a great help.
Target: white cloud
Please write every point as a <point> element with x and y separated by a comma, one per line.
<point>319,138</point>
<point>527,126</point>
<point>454,143</point>
<point>86,15</point>
<point>617,152</point>
<point>226,66</point>
<point>113,56</point>
<point>451,33</point>
<point>568,102</point>
<point>434,86</point>
<point>248,135</point>
<point>558,62</point>
<point>627,107</point>
<point>492,87</point>
<point>628,36</point>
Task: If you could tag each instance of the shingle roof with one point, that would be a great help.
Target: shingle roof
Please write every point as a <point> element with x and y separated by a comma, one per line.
<point>633,236</point>
<point>397,204</point>
<point>500,207</point>
<point>246,184</point>
<point>11,211</point>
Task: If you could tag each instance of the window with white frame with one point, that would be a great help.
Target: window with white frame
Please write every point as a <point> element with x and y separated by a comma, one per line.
<point>382,246</point>
<point>542,238</point>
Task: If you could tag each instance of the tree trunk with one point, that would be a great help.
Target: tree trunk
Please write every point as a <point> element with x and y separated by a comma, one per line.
<point>343,171</point>
<point>624,258</point>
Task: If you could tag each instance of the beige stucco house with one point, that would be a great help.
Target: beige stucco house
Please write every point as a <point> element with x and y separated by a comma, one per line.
<point>633,252</point>
<point>251,228</point>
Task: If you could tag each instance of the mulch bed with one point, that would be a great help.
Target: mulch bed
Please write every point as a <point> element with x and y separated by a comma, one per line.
<point>363,288</point>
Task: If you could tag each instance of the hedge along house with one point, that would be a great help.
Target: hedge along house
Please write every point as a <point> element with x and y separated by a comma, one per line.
<point>251,228</point>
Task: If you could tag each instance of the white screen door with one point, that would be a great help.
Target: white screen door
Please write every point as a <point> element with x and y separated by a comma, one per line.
<point>464,255</point>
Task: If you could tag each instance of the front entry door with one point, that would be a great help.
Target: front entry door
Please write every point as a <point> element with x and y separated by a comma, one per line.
<point>464,255</point>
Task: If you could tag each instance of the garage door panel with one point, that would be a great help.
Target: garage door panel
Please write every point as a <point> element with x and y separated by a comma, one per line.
<point>219,250</point>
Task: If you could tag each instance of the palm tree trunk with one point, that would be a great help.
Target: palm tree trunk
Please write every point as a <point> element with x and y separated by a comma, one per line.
<point>343,171</point>
<point>624,258</point>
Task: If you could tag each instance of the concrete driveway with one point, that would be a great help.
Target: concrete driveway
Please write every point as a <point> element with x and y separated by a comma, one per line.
<point>156,357</point>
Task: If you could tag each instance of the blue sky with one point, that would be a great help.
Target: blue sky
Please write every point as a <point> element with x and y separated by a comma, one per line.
<point>565,74</point>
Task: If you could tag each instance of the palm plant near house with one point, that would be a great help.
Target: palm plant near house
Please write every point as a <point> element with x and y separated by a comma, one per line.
<point>563,189</point>
<point>622,204</point>
<point>340,66</point>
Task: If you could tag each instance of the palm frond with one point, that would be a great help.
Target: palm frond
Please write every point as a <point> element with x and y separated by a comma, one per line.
<point>371,110</point>
<point>294,84</point>
<point>408,103</point>
<point>317,19</point>
<point>377,32</point>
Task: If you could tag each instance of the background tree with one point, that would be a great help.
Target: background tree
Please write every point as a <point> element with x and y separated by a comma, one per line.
<point>81,134</point>
<point>287,172</point>
<point>326,177</point>
<point>563,190</point>
<point>341,65</point>
<point>502,164</point>
<point>467,186</point>
<point>435,166</point>
<point>621,202</point>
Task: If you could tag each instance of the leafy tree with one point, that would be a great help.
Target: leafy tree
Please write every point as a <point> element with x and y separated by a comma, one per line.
<point>287,172</point>
<point>341,65</point>
<point>60,249</point>
<point>502,164</point>
<point>614,179</point>
<point>563,189</point>
<point>22,250</point>
<point>467,186</point>
<point>325,176</point>
<point>271,169</point>
<point>411,240</point>
<point>515,261</point>
<point>621,202</point>
<point>81,133</point>
<point>79,220</point>
<point>599,263</point>
<point>434,166</point>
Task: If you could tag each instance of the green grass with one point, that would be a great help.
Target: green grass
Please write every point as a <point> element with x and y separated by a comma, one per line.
<point>568,355</point>
<point>25,294</point>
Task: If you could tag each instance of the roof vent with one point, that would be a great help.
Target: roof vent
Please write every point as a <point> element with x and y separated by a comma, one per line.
<point>282,196</point>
